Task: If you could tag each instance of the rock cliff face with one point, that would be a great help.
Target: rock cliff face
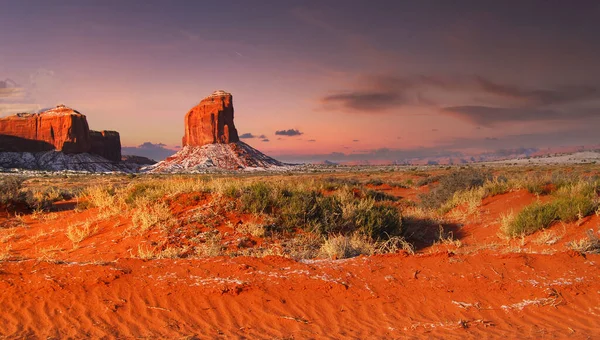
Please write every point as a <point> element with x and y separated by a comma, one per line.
<point>106,144</point>
<point>48,135</point>
<point>211,142</point>
<point>61,128</point>
<point>211,121</point>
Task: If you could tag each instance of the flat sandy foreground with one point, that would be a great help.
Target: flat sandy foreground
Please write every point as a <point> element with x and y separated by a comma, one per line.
<point>387,296</point>
<point>474,285</point>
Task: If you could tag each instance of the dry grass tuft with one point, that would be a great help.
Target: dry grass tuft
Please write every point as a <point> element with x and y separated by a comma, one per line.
<point>146,253</point>
<point>589,244</point>
<point>149,214</point>
<point>211,247</point>
<point>341,247</point>
<point>5,253</point>
<point>79,232</point>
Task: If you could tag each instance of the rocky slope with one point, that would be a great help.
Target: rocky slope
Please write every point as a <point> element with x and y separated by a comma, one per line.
<point>60,161</point>
<point>233,156</point>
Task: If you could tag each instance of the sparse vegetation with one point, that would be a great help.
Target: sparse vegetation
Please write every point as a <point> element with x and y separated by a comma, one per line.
<point>531,219</point>
<point>589,244</point>
<point>79,232</point>
<point>452,183</point>
<point>341,247</point>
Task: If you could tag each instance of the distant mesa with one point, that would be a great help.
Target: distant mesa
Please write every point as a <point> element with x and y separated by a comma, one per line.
<point>61,129</point>
<point>57,139</point>
<point>211,141</point>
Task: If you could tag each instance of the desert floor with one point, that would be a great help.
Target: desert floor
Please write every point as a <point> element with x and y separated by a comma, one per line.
<point>77,268</point>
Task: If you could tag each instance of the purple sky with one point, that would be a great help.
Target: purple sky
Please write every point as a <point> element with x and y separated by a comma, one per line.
<point>371,79</point>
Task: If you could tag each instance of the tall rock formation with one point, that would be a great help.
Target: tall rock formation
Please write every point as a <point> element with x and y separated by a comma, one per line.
<point>211,121</point>
<point>211,142</point>
<point>106,144</point>
<point>61,128</point>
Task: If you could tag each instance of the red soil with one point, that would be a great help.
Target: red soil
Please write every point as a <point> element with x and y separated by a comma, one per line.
<point>483,288</point>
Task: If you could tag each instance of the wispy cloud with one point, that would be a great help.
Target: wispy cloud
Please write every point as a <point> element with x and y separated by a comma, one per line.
<point>382,93</point>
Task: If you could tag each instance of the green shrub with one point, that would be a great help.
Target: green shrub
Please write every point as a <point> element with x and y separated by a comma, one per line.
<point>531,219</point>
<point>138,190</point>
<point>378,221</point>
<point>10,190</point>
<point>257,198</point>
<point>375,182</point>
<point>571,209</point>
<point>575,200</point>
<point>379,196</point>
<point>310,211</point>
<point>450,184</point>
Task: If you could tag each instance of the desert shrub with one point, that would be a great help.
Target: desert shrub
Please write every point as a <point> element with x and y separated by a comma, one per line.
<point>341,247</point>
<point>310,210</point>
<point>562,179</point>
<point>377,221</point>
<point>10,190</point>
<point>571,209</point>
<point>450,184</point>
<point>79,232</point>
<point>471,198</point>
<point>375,182</point>
<point>532,218</point>
<point>589,244</point>
<point>138,190</point>
<point>575,200</point>
<point>428,179</point>
<point>258,198</point>
<point>151,213</point>
<point>497,186</point>
<point>536,184</point>
<point>379,196</point>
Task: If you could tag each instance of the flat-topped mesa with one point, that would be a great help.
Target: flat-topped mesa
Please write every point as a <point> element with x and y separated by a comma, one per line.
<point>106,144</point>
<point>61,128</point>
<point>211,121</point>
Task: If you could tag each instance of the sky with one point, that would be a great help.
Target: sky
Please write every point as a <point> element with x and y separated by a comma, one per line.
<point>315,80</point>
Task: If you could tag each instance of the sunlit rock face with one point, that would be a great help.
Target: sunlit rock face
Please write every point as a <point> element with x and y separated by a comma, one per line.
<point>211,121</point>
<point>211,142</point>
<point>62,129</point>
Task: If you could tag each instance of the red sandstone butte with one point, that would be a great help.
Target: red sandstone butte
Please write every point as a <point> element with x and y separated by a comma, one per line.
<point>106,144</point>
<point>211,121</point>
<point>61,128</point>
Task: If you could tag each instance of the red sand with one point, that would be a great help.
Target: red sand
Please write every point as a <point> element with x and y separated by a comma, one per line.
<point>480,289</point>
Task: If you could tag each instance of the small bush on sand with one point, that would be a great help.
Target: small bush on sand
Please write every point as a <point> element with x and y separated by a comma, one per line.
<point>450,184</point>
<point>79,232</point>
<point>342,247</point>
<point>342,213</point>
<point>149,214</point>
<point>532,218</point>
<point>375,182</point>
<point>575,200</point>
<point>10,190</point>
<point>590,244</point>
<point>258,198</point>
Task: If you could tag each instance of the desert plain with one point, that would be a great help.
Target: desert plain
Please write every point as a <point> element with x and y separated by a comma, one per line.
<point>336,252</point>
